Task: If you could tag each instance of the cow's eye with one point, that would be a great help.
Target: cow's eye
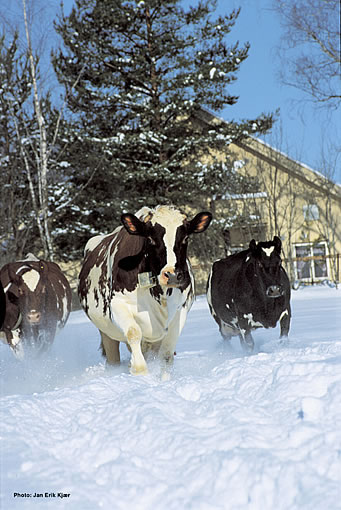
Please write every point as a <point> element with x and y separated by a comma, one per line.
<point>185,240</point>
<point>151,241</point>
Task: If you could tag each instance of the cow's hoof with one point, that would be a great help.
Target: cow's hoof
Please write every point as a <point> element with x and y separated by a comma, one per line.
<point>284,340</point>
<point>139,371</point>
<point>248,347</point>
<point>19,352</point>
<point>110,365</point>
<point>165,376</point>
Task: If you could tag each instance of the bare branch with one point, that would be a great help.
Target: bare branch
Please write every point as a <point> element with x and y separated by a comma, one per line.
<point>310,49</point>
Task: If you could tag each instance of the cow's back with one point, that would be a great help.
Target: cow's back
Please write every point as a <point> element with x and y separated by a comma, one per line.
<point>94,278</point>
<point>60,291</point>
<point>222,284</point>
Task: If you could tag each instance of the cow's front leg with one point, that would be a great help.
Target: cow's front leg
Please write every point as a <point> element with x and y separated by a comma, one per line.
<point>123,318</point>
<point>284,321</point>
<point>138,365</point>
<point>167,349</point>
<point>16,344</point>
<point>246,340</point>
<point>110,349</point>
<point>166,363</point>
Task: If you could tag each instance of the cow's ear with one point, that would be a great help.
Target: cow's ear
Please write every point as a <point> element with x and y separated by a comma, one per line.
<point>253,245</point>
<point>12,298</point>
<point>200,223</point>
<point>133,225</point>
<point>278,244</point>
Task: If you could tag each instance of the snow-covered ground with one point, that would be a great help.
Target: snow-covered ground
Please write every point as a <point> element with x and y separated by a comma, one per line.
<point>229,430</point>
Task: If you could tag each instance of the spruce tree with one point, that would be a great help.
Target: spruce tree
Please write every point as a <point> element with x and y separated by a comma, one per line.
<point>144,70</point>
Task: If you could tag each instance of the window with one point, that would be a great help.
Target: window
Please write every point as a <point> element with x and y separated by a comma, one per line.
<point>311,261</point>
<point>311,212</point>
<point>240,236</point>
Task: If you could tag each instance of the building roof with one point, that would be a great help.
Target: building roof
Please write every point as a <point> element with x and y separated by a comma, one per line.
<point>275,157</point>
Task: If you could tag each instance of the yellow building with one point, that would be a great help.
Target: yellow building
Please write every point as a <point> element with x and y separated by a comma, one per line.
<point>290,200</point>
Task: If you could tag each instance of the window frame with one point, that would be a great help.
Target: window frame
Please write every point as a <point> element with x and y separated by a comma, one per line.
<point>312,264</point>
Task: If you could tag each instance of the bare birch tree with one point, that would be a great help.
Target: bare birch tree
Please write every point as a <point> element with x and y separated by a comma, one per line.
<point>40,202</point>
<point>310,50</point>
<point>37,135</point>
<point>329,226</point>
<point>283,193</point>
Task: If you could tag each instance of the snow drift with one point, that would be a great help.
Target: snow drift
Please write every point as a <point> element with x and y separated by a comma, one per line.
<point>228,431</point>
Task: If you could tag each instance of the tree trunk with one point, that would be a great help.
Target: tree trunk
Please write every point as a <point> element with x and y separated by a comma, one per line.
<point>41,208</point>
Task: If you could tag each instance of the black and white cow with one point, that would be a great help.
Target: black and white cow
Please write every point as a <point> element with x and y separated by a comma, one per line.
<point>250,290</point>
<point>136,284</point>
<point>38,304</point>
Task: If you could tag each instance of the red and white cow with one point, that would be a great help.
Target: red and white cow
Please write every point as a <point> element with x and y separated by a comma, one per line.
<point>38,304</point>
<point>136,284</point>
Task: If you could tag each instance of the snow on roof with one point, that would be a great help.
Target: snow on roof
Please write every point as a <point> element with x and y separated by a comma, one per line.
<point>265,144</point>
<point>303,165</point>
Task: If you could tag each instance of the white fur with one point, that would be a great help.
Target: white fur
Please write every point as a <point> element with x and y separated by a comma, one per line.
<point>170,219</point>
<point>252,323</point>
<point>209,290</point>
<point>285,312</point>
<point>268,251</point>
<point>31,278</point>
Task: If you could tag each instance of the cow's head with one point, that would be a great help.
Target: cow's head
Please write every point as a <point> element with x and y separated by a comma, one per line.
<point>166,231</point>
<point>27,288</point>
<point>264,264</point>
<point>27,303</point>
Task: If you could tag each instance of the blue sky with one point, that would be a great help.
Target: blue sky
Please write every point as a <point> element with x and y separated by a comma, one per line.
<point>302,131</point>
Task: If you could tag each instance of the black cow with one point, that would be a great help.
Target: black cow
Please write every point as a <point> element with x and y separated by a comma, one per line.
<point>250,290</point>
<point>136,284</point>
<point>38,303</point>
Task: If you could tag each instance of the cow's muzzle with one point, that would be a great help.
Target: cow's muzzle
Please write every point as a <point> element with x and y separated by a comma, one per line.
<point>34,317</point>
<point>173,278</point>
<point>275,291</point>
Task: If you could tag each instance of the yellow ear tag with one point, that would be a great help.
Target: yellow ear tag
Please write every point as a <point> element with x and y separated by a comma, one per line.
<point>202,223</point>
<point>131,226</point>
